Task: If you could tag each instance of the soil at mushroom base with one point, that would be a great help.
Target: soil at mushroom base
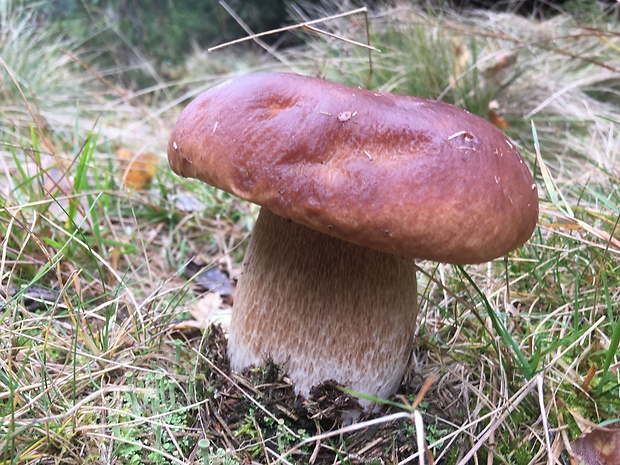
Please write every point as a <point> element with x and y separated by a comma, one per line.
<point>233,418</point>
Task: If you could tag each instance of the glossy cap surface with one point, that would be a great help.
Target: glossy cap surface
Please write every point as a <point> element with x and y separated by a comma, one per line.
<point>399,174</point>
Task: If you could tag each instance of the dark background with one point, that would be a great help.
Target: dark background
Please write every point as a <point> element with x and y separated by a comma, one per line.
<point>165,31</point>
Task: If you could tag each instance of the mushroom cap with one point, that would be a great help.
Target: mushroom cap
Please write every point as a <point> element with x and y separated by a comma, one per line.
<point>399,174</point>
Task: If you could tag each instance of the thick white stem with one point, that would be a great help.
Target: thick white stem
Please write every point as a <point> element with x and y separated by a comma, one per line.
<point>324,308</point>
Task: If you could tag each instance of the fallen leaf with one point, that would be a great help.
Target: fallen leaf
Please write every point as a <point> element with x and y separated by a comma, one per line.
<point>597,446</point>
<point>208,309</point>
<point>187,202</point>
<point>138,168</point>
<point>209,279</point>
<point>34,297</point>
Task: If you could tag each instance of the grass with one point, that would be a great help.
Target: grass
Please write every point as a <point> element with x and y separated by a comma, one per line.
<point>101,360</point>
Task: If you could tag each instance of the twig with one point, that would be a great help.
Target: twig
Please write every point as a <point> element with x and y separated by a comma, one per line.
<point>271,50</point>
<point>308,25</point>
<point>344,39</point>
<point>369,51</point>
<point>423,390</point>
<point>288,28</point>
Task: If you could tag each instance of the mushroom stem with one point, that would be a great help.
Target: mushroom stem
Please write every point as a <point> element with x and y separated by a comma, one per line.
<point>325,308</point>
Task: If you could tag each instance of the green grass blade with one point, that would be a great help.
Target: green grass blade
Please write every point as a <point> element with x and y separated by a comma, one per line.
<point>552,189</point>
<point>524,365</point>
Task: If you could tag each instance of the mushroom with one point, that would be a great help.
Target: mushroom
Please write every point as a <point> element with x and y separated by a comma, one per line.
<point>354,185</point>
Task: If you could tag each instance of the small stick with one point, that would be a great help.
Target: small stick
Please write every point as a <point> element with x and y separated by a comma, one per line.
<point>423,390</point>
<point>344,39</point>
<point>507,280</point>
<point>249,31</point>
<point>369,51</point>
<point>305,25</point>
<point>288,28</point>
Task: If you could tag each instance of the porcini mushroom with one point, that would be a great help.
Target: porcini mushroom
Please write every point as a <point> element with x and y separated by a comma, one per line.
<point>353,185</point>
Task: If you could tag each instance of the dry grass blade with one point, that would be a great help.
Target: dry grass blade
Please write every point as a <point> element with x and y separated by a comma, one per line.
<point>344,39</point>
<point>512,404</point>
<point>271,50</point>
<point>33,115</point>
<point>359,426</point>
<point>543,412</point>
<point>122,92</point>
<point>290,28</point>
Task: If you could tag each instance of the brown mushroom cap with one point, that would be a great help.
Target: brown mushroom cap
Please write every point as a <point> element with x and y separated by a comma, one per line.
<point>399,174</point>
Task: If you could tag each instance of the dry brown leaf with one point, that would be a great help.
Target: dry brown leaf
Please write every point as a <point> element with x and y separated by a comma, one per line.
<point>600,446</point>
<point>209,279</point>
<point>138,168</point>
<point>204,310</point>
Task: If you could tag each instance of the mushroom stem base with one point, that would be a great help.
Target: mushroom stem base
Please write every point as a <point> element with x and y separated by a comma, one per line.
<point>324,308</point>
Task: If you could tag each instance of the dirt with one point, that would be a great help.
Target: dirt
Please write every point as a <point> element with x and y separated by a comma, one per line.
<point>257,411</point>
